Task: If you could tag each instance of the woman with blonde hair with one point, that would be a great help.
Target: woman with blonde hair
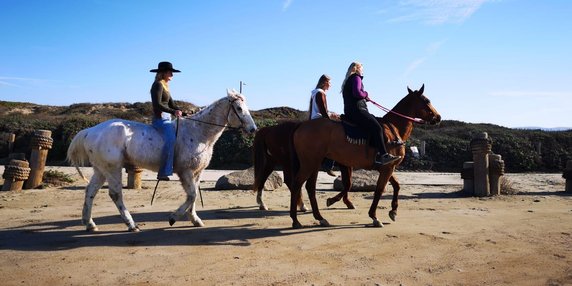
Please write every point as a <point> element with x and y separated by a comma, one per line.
<point>355,109</point>
<point>163,108</point>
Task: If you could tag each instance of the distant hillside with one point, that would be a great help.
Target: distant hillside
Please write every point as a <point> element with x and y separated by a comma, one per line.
<point>447,145</point>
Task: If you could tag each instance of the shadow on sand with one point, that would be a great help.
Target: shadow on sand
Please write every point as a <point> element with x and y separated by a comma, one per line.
<point>65,235</point>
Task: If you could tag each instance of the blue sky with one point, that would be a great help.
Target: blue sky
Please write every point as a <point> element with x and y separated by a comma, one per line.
<point>505,62</point>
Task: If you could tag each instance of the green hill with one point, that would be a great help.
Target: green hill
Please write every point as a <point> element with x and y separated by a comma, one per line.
<point>447,144</point>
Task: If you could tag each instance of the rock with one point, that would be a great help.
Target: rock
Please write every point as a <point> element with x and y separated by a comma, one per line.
<point>244,180</point>
<point>362,181</point>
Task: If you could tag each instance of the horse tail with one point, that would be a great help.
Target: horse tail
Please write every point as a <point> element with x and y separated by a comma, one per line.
<point>77,155</point>
<point>260,157</point>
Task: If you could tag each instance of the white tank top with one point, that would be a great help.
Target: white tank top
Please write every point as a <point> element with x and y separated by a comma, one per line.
<point>314,111</point>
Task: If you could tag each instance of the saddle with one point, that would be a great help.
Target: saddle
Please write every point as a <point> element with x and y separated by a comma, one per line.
<point>356,135</point>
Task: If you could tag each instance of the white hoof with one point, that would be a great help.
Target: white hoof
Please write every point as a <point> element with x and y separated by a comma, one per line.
<point>377,223</point>
<point>303,208</point>
<point>198,223</point>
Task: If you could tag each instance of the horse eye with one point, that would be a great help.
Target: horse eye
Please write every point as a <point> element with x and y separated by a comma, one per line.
<point>239,109</point>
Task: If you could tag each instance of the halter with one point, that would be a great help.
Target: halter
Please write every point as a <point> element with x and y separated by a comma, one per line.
<point>227,114</point>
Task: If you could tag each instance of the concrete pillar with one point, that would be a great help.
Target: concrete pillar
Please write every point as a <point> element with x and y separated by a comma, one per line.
<point>15,173</point>
<point>133,177</point>
<point>40,144</point>
<point>568,176</point>
<point>496,171</point>
<point>481,147</point>
<point>468,176</point>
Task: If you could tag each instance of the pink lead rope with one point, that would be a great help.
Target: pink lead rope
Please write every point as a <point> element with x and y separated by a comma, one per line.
<point>418,120</point>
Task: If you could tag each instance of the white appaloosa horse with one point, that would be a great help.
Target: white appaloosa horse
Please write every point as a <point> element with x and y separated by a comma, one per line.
<point>113,144</point>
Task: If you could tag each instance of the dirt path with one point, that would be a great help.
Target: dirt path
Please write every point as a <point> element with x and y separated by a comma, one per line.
<point>440,238</point>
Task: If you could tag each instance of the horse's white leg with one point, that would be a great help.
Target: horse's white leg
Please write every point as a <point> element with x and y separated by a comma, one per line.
<point>116,195</point>
<point>190,185</point>
<point>95,183</point>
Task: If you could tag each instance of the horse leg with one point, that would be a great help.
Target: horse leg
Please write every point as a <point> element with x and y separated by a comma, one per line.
<point>259,184</point>
<point>116,195</point>
<point>347,183</point>
<point>191,188</point>
<point>294,197</point>
<point>311,189</point>
<point>95,183</point>
<point>394,203</point>
<point>381,183</point>
<point>287,177</point>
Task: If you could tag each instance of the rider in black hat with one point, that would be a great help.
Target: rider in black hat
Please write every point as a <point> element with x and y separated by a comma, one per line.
<point>163,108</point>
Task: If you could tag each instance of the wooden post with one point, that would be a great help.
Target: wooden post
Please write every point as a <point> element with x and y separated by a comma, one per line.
<point>568,176</point>
<point>496,171</point>
<point>468,176</point>
<point>133,177</point>
<point>40,144</point>
<point>15,174</point>
<point>481,147</point>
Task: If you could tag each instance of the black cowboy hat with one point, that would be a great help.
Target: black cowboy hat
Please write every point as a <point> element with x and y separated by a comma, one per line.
<point>164,66</point>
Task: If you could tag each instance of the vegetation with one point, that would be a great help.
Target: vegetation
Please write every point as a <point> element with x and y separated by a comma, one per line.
<point>447,145</point>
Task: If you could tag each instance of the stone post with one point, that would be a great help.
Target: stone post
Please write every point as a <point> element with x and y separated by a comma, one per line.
<point>40,144</point>
<point>133,177</point>
<point>15,173</point>
<point>496,171</point>
<point>468,176</point>
<point>481,147</point>
<point>568,176</point>
<point>10,138</point>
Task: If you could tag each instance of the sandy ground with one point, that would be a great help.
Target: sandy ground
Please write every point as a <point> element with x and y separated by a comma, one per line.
<point>440,237</point>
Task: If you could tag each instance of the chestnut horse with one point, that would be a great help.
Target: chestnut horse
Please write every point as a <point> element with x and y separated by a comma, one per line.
<point>316,139</point>
<point>271,149</point>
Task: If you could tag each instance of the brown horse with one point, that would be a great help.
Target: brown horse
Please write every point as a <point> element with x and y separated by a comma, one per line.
<point>271,149</point>
<point>316,139</point>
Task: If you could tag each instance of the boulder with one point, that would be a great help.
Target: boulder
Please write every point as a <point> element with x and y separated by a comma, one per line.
<point>362,181</point>
<point>244,180</point>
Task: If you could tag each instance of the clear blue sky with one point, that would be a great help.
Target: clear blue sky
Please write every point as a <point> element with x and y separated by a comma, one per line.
<point>505,62</point>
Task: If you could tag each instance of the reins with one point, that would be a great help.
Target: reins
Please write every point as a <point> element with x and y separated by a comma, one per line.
<point>418,120</point>
<point>220,125</point>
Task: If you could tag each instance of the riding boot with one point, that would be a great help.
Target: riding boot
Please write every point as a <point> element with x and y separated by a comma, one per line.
<point>385,159</point>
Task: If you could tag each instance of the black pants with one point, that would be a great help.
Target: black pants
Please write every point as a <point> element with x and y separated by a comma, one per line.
<point>369,124</point>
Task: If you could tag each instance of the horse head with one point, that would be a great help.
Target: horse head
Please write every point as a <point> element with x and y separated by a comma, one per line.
<point>422,106</point>
<point>239,115</point>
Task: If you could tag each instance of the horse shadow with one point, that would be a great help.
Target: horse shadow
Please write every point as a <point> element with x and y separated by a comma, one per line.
<point>70,234</point>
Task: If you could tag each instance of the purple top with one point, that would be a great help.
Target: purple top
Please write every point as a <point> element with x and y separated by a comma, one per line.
<point>357,90</point>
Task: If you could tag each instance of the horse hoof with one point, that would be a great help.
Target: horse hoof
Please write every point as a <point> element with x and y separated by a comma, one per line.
<point>324,223</point>
<point>377,223</point>
<point>134,229</point>
<point>198,223</point>
<point>303,208</point>
<point>330,202</point>
<point>92,229</point>
<point>350,206</point>
<point>172,221</point>
<point>392,215</point>
<point>263,208</point>
<point>297,225</point>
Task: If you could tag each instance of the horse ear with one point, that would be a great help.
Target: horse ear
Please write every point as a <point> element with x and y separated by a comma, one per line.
<point>228,92</point>
<point>409,90</point>
<point>421,89</point>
